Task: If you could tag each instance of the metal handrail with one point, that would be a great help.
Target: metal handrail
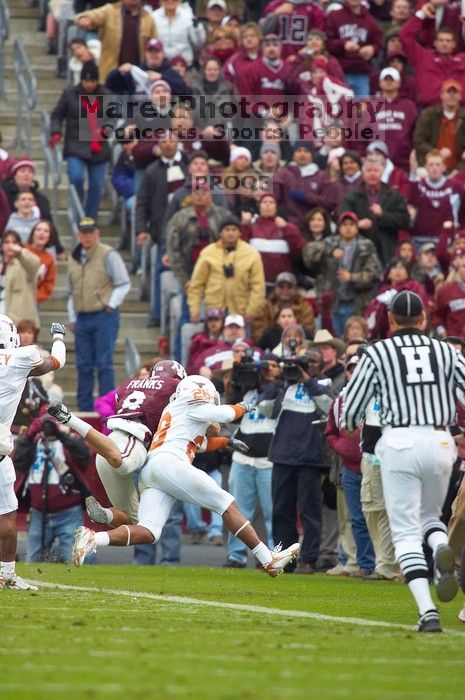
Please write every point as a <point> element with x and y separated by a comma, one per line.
<point>75,211</point>
<point>131,357</point>
<point>53,162</point>
<point>27,95</point>
<point>4,36</point>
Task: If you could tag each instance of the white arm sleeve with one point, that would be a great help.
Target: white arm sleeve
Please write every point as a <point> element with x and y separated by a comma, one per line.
<point>59,351</point>
<point>209,413</point>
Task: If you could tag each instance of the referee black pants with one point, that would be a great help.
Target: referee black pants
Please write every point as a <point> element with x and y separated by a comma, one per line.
<point>294,486</point>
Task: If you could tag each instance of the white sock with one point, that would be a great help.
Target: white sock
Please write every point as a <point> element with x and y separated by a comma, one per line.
<point>419,588</point>
<point>109,514</point>
<point>262,553</point>
<point>436,538</point>
<point>7,569</point>
<point>102,539</point>
<point>79,425</point>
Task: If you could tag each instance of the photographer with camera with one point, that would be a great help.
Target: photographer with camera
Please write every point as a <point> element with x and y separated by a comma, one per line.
<point>250,477</point>
<point>301,404</point>
<point>52,459</point>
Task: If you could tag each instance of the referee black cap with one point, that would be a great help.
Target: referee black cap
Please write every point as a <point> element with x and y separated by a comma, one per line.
<point>407,304</point>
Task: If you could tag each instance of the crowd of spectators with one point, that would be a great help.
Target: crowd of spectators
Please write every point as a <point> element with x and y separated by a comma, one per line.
<point>333,210</point>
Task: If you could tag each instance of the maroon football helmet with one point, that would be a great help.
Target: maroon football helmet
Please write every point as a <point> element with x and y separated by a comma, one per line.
<point>168,369</point>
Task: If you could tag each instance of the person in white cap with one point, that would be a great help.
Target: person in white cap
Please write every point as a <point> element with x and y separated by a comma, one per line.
<point>396,120</point>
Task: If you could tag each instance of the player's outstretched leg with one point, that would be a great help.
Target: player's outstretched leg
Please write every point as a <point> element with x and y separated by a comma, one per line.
<point>273,561</point>
<point>100,443</point>
<point>86,540</point>
<point>8,536</point>
<point>114,517</point>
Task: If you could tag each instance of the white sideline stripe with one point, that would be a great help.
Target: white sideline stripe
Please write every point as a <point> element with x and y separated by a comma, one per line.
<point>237,606</point>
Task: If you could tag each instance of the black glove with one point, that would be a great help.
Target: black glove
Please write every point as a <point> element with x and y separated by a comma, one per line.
<point>238,445</point>
<point>246,406</point>
<point>57,330</point>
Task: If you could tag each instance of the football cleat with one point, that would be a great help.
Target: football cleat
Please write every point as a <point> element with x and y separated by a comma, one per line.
<point>95,511</point>
<point>429,622</point>
<point>59,411</point>
<point>16,583</point>
<point>445,579</point>
<point>461,615</point>
<point>281,558</point>
<point>84,544</point>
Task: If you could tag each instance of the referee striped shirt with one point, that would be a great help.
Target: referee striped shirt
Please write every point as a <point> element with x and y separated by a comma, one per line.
<point>414,379</point>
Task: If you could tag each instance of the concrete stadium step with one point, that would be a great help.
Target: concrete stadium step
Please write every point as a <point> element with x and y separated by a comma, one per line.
<point>130,322</point>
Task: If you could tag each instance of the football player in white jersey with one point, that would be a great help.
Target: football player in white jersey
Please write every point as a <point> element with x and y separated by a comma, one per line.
<point>16,365</point>
<point>168,474</point>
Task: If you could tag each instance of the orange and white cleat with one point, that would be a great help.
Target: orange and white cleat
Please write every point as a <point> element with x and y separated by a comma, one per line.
<point>281,558</point>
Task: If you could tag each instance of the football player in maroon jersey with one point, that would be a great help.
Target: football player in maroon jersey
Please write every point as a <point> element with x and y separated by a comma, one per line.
<point>140,403</point>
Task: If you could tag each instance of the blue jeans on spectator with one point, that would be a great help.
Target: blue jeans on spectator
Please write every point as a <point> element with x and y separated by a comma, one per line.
<point>351,482</point>
<point>359,83</point>
<point>170,541</point>
<point>340,315</point>
<point>248,484</point>
<point>95,338</point>
<point>96,173</point>
<point>59,526</point>
<point>155,311</point>
<point>185,317</point>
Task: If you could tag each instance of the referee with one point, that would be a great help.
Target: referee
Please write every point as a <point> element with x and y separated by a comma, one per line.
<point>414,379</point>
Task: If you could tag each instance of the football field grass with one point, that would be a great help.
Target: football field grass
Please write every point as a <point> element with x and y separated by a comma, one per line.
<point>156,632</point>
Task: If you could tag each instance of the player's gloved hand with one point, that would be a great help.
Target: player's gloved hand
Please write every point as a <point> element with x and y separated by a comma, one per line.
<point>57,330</point>
<point>238,445</point>
<point>246,406</point>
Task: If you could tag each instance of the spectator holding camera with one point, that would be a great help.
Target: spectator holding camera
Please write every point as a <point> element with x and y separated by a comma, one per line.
<point>52,459</point>
<point>296,450</point>
<point>250,475</point>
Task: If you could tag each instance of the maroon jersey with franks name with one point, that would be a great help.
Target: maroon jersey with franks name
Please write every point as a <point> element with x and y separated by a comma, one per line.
<point>145,399</point>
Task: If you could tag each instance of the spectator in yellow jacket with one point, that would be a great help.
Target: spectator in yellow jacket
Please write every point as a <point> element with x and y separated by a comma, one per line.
<point>228,275</point>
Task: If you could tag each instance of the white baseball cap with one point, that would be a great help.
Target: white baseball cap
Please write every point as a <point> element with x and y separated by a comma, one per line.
<point>216,3</point>
<point>234,320</point>
<point>390,73</point>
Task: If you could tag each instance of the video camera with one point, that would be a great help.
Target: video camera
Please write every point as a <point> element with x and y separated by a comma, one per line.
<point>292,365</point>
<point>245,374</point>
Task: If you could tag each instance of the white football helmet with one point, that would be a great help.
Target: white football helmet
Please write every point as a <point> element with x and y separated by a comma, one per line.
<point>9,337</point>
<point>197,389</point>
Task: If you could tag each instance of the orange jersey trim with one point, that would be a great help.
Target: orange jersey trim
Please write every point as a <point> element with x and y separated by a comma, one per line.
<point>216,443</point>
<point>56,363</point>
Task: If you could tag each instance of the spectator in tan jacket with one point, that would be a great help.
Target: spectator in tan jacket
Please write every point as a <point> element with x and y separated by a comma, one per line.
<point>124,29</point>
<point>228,275</point>
<point>18,272</point>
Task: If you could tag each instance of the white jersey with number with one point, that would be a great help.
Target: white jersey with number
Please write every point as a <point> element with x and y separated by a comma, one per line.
<point>15,365</point>
<point>182,427</point>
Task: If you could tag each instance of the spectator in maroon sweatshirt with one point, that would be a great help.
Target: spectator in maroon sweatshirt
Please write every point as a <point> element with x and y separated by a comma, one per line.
<point>237,68</point>
<point>354,38</point>
<point>291,21</point>
<point>205,340</point>
<point>278,241</point>
<point>446,14</point>
<point>345,173</point>
<point>442,126</point>
<point>315,47</point>
<point>269,74</point>
<point>432,67</point>
<point>432,200</point>
<point>301,185</point>
<point>397,58</point>
<point>396,120</point>
<point>347,446</point>
<point>449,314</point>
